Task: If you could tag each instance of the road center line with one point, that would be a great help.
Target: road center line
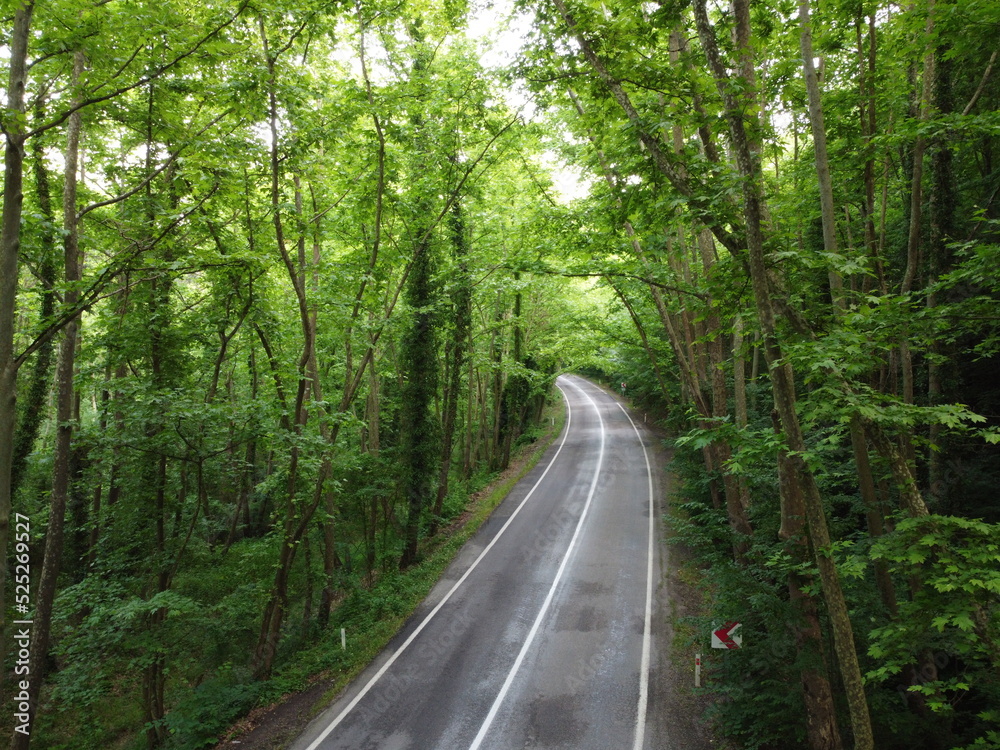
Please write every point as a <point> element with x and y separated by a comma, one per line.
<point>392,659</point>
<point>647,633</point>
<point>552,590</point>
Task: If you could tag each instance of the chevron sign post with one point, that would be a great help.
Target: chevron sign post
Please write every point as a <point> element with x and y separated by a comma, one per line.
<point>725,636</point>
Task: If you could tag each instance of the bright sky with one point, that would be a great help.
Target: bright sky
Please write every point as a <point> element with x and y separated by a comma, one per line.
<point>500,32</point>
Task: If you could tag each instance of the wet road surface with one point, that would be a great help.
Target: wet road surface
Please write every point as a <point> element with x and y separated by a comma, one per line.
<point>539,633</point>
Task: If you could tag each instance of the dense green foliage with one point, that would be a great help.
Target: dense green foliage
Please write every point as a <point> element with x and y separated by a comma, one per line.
<point>302,233</point>
<point>834,392</point>
<point>323,287</point>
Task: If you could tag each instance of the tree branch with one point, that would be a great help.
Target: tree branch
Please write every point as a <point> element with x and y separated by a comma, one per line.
<point>93,292</point>
<point>142,81</point>
<point>159,170</point>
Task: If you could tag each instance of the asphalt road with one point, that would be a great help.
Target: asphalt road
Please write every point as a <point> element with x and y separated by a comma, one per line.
<point>539,634</point>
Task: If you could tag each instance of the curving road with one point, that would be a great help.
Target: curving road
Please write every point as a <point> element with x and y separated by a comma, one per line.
<point>539,634</point>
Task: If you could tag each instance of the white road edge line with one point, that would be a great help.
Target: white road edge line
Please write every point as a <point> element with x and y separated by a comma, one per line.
<point>552,590</point>
<point>647,634</point>
<point>392,659</point>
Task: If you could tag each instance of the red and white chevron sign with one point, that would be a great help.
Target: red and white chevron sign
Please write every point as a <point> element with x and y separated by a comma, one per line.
<point>726,636</point>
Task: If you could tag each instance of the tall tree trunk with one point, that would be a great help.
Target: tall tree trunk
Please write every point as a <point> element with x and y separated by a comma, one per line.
<point>836,285</point>
<point>515,389</point>
<point>868,120</point>
<point>496,383</point>
<point>98,493</point>
<point>821,714</point>
<point>420,445</point>
<point>10,247</point>
<point>32,412</point>
<point>162,374</point>
<point>65,409</point>
<point>420,452</point>
<point>913,242</point>
<point>472,387</point>
<point>942,227</point>
<point>819,147</point>
<point>462,305</point>
<point>736,493</point>
<point>292,525</point>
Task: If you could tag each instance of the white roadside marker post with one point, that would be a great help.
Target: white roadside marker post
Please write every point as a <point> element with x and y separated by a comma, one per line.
<point>343,639</point>
<point>697,670</point>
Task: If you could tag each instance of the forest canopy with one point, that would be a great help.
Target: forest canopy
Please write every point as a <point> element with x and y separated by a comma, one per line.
<point>281,284</point>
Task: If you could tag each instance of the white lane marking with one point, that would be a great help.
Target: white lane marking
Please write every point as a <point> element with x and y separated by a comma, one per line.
<point>552,590</point>
<point>647,633</point>
<point>392,659</point>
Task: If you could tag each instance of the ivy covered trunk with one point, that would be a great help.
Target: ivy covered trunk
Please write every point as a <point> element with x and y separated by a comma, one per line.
<point>421,452</point>
<point>456,353</point>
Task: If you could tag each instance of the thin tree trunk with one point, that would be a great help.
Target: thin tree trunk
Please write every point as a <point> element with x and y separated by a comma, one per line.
<point>736,492</point>
<point>97,497</point>
<point>819,147</point>
<point>942,227</point>
<point>330,560</point>
<point>650,353</point>
<point>497,383</point>
<point>866,85</point>
<point>154,677</point>
<point>307,605</point>
<point>514,388</point>
<point>902,470</point>
<point>472,386</point>
<point>740,409</point>
<point>913,242</point>
<point>873,511</point>
<point>274,610</point>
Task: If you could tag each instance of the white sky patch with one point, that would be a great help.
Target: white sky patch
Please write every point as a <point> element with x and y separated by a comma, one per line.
<point>499,30</point>
<point>568,181</point>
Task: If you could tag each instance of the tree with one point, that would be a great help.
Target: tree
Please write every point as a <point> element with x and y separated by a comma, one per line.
<point>15,132</point>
